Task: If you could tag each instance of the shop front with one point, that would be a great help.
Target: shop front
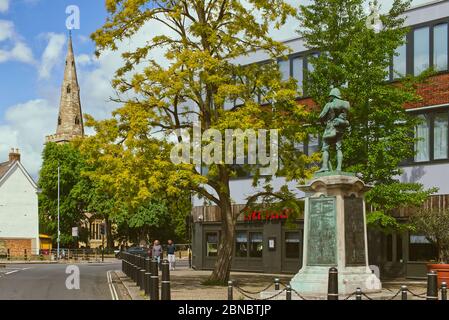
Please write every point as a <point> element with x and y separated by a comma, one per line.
<point>268,244</point>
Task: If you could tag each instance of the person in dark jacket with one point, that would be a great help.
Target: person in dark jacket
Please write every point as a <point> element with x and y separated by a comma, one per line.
<point>171,255</point>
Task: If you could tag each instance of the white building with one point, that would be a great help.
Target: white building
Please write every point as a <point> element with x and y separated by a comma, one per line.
<point>19,220</point>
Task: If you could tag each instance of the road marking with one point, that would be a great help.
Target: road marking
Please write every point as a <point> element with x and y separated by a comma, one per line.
<point>11,272</point>
<point>114,294</point>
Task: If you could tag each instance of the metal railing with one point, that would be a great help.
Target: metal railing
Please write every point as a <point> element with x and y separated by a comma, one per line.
<point>433,291</point>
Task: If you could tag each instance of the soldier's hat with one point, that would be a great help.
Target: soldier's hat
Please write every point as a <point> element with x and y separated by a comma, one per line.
<point>335,92</point>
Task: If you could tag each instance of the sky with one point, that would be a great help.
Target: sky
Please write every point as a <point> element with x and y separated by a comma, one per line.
<point>33,44</point>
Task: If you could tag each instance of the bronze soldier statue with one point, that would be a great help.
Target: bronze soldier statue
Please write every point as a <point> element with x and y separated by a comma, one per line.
<point>334,115</point>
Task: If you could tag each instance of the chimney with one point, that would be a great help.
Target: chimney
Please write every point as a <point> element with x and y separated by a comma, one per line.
<point>14,155</point>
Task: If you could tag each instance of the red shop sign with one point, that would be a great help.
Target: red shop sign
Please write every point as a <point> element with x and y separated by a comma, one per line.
<point>266,215</point>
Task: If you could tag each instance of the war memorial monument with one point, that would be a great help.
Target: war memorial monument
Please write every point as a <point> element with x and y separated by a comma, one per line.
<point>335,219</point>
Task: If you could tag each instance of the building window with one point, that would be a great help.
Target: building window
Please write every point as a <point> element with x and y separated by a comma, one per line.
<point>400,62</point>
<point>256,244</point>
<point>211,244</point>
<point>398,248</point>
<point>77,120</point>
<point>241,244</point>
<point>421,56</point>
<point>422,145</point>
<point>284,68</point>
<point>298,73</point>
<point>421,249</point>
<point>440,47</point>
<point>292,245</point>
<point>59,121</point>
<point>440,136</point>
<point>68,89</point>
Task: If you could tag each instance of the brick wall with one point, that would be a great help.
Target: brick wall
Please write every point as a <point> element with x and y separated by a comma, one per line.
<point>434,91</point>
<point>16,247</point>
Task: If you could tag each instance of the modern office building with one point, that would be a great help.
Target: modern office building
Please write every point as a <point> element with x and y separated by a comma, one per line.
<point>269,244</point>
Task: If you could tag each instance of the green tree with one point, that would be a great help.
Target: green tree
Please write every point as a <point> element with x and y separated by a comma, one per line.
<point>70,162</point>
<point>356,58</point>
<point>195,86</point>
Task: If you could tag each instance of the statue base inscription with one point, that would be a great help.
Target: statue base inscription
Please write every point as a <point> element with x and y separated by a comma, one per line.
<point>335,236</point>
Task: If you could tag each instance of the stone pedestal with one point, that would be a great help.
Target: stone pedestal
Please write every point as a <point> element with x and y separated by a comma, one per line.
<point>335,236</point>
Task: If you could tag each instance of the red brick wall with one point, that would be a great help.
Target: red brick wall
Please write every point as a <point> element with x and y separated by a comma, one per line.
<point>434,92</point>
<point>16,246</point>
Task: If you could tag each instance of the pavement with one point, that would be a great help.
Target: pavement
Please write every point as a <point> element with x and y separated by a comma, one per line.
<point>106,281</point>
<point>186,284</point>
<point>97,281</point>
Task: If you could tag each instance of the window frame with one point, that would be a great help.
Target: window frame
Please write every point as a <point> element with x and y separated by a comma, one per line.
<point>431,113</point>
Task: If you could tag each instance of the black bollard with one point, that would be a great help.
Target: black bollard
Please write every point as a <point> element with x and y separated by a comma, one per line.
<point>26,255</point>
<point>142,273</point>
<point>358,294</point>
<point>432,285</point>
<point>443,291</point>
<point>165,283</point>
<point>404,292</point>
<point>230,291</point>
<point>332,285</point>
<point>276,284</point>
<point>190,259</point>
<point>154,280</point>
<point>147,275</point>
<point>288,293</point>
<point>136,270</point>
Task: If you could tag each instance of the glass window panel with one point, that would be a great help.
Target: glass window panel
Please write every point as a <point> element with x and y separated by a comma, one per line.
<point>400,62</point>
<point>256,244</point>
<point>241,244</point>
<point>389,247</point>
<point>440,47</point>
<point>292,243</point>
<point>398,247</point>
<point>422,144</point>
<point>420,249</point>
<point>284,68</point>
<point>211,244</point>
<point>421,50</point>
<point>440,136</point>
<point>298,75</point>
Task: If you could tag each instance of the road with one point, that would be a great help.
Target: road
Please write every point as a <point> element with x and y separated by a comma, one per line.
<point>97,281</point>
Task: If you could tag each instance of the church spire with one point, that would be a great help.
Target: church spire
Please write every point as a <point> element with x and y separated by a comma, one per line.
<point>70,117</point>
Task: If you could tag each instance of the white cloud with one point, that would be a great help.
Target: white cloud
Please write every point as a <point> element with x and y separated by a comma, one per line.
<point>4,5</point>
<point>25,127</point>
<point>52,54</point>
<point>12,48</point>
<point>6,30</point>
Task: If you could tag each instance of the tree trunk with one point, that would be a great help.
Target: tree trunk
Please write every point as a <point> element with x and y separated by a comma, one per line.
<point>222,268</point>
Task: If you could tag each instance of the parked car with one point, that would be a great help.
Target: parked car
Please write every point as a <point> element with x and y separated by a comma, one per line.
<point>137,251</point>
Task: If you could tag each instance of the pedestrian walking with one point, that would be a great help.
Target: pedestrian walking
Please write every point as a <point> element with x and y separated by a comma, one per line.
<point>157,251</point>
<point>171,255</point>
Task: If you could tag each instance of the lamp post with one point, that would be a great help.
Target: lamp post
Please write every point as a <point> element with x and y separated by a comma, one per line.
<point>59,233</point>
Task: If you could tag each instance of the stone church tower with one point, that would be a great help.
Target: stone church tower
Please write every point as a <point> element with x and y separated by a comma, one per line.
<point>70,118</point>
